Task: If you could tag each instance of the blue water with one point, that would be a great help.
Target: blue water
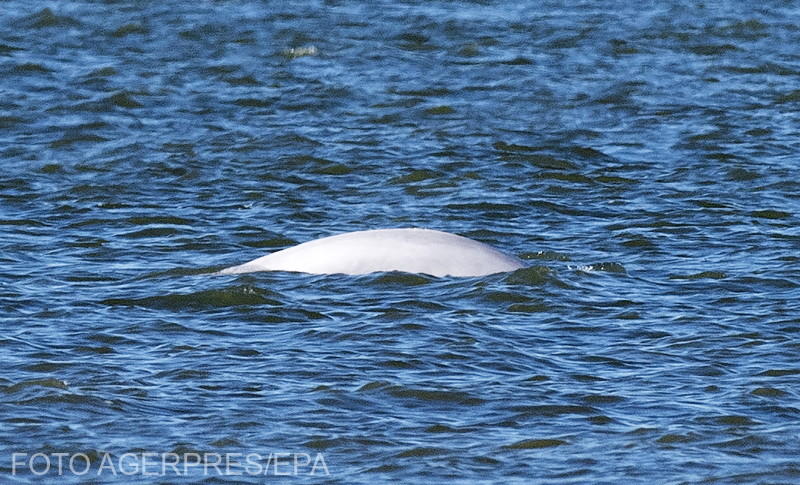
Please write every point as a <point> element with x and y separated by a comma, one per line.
<point>640,157</point>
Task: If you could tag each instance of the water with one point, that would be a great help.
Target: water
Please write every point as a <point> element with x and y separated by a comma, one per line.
<point>641,157</point>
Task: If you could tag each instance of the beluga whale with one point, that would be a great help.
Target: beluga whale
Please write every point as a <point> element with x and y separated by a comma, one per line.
<point>408,250</point>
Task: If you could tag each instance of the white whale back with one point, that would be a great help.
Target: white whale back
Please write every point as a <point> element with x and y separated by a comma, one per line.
<point>409,250</point>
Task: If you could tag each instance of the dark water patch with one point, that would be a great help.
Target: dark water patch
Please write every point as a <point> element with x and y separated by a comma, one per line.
<point>552,410</point>
<point>749,29</point>
<point>206,299</point>
<point>440,110</point>
<point>401,103</point>
<point>566,177</point>
<point>769,392</point>
<point>416,43</point>
<point>792,96</point>
<point>399,364</point>
<point>750,444</point>
<point>712,49</point>
<point>606,267</point>
<point>535,306</point>
<point>614,180</point>
<point>602,399</point>
<point>416,176</point>
<point>103,72</point>
<point>10,121</point>
<point>183,374</point>
<point>89,221</point>
<point>23,223</point>
<point>387,119</point>
<point>532,276</point>
<point>159,220</point>
<point>545,256</point>
<point>413,305</point>
<point>779,372</point>
<point>513,147</point>
<point>422,93</point>
<point>443,428</point>
<point>385,469</point>
<point>295,140</point>
<point>517,61</point>
<point>110,103</point>
<point>30,67</point>
<point>711,204</point>
<point>46,383</point>
<point>152,232</point>
<point>715,275</point>
<point>766,283</point>
<point>771,214</point>
<point>130,29</point>
<point>735,421</point>
<point>637,241</point>
<point>488,207</point>
<point>247,80</point>
<point>56,400</point>
<point>506,297</point>
<point>422,452</point>
<point>123,100</point>
<point>101,350</point>
<point>622,47</point>
<point>766,68</point>
<point>46,18</point>
<point>399,279</point>
<point>676,439</point>
<point>434,396</point>
<point>110,339</point>
<point>7,49</point>
<point>546,162</point>
<point>600,420</point>
<point>333,169</point>
<point>535,443</point>
<point>275,242</point>
<point>49,367</point>
<point>606,361</point>
<point>71,139</point>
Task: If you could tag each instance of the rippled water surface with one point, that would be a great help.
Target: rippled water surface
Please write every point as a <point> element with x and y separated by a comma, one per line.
<point>641,157</point>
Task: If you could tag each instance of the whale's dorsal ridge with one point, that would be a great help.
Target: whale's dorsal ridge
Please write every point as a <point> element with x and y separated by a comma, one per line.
<point>410,250</point>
